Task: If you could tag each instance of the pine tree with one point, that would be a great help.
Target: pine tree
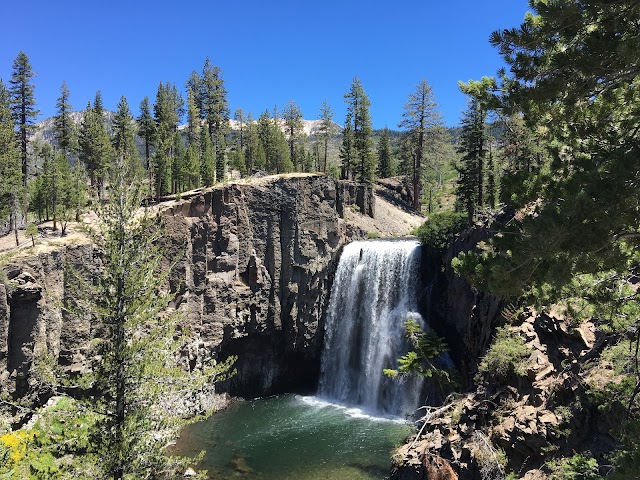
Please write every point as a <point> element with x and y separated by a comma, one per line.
<point>67,193</point>
<point>137,378</point>
<point>37,197</point>
<point>292,116</point>
<point>78,192</point>
<point>194,84</point>
<point>265,132</point>
<point>327,128</point>
<point>238,162</point>
<point>23,105</point>
<point>254,152</point>
<point>98,105</point>
<point>239,117</point>
<point>193,119</point>
<point>192,167</point>
<point>440,154</point>
<point>147,131</point>
<point>470,189</point>
<point>124,133</point>
<point>168,111</point>
<point>385,162</point>
<point>95,151</point>
<point>279,148</point>
<point>215,110</point>
<point>56,161</point>
<point>191,161</point>
<point>179,174</point>
<point>347,153</point>
<point>274,143</point>
<point>420,115</point>
<point>63,126</point>
<point>207,159</point>
<point>10,167</point>
<point>44,153</point>
<point>363,162</point>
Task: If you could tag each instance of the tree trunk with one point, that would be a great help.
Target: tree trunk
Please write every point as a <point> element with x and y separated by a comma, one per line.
<point>23,135</point>
<point>326,146</point>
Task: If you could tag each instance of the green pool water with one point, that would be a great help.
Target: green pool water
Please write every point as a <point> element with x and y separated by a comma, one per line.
<point>291,437</point>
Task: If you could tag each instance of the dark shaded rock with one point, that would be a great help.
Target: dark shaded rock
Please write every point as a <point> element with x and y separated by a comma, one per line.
<point>253,279</point>
<point>463,315</point>
<point>359,195</point>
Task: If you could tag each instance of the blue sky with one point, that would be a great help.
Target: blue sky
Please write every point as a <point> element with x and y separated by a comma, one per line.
<point>269,51</point>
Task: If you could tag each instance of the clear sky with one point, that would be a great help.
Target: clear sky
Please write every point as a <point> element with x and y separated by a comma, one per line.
<point>269,51</point>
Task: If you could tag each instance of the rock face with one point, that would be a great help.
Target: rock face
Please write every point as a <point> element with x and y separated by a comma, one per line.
<point>464,316</point>
<point>31,320</point>
<point>253,276</point>
<point>529,416</point>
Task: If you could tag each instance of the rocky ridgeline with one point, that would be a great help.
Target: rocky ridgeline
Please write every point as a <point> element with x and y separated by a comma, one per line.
<point>252,279</point>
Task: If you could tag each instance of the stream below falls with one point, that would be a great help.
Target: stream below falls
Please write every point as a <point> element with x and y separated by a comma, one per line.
<point>291,437</point>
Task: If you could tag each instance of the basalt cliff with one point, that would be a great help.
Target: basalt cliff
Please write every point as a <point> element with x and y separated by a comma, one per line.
<point>253,273</point>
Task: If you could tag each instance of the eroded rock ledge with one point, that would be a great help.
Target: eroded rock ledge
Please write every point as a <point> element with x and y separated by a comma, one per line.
<point>254,274</point>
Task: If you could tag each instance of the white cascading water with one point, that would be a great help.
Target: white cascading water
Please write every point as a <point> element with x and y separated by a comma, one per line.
<point>373,294</point>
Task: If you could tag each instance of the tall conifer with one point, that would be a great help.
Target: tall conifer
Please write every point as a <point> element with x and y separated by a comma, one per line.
<point>363,162</point>
<point>292,116</point>
<point>419,117</point>
<point>96,151</point>
<point>23,106</point>
<point>384,155</point>
<point>63,126</point>
<point>327,128</point>
<point>124,133</point>
<point>147,131</point>
<point>10,166</point>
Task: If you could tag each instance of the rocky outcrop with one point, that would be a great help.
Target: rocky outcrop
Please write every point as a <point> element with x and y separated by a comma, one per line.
<point>396,189</point>
<point>356,195</point>
<point>252,278</point>
<point>518,422</point>
<point>32,322</point>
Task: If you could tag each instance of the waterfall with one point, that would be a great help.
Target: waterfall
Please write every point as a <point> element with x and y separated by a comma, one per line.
<point>373,293</point>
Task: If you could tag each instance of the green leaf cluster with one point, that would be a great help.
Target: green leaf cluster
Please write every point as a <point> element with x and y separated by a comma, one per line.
<point>423,360</point>
<point>507,355</point>
<point>56,446</point>
<point>577,467</point>
<point>441,229</point>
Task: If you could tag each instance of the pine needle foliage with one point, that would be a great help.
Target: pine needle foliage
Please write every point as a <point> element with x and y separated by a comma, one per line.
<point>137,378</point>
<point>441,229</point>
<point>423,359</point>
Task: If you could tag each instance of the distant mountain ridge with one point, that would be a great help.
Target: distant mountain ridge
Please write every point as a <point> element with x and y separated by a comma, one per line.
<point>45,132</point>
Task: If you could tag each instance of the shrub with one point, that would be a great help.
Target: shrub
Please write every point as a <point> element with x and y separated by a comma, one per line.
<point>577,467</point>
<point>440,230</point>
<point>32,231</point>
<point>507,355</point>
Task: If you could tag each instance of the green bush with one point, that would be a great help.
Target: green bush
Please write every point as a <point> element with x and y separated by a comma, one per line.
<point>577,467</point>
<point>440,230</point>
<point>507,355</point>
